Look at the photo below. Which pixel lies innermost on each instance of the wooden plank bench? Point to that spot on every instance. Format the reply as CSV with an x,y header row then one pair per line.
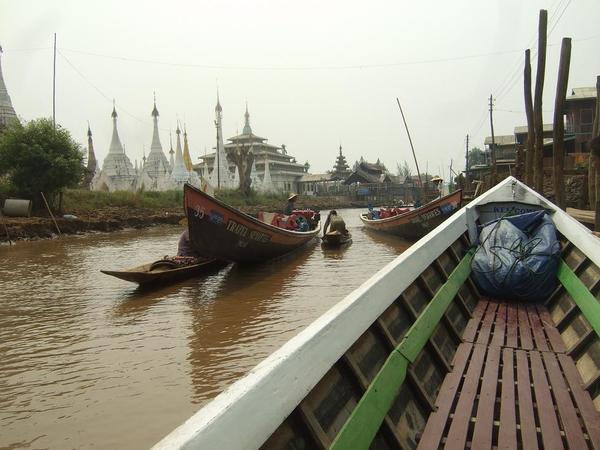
x,y
512,386
507,324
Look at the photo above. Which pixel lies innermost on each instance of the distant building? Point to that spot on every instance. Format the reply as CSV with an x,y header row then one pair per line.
x,y
274,169
7,112
341,169
506,152
580,109
365,172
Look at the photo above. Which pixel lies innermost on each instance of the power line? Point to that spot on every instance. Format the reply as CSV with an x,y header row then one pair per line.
x,y
304,68
508,84
106,97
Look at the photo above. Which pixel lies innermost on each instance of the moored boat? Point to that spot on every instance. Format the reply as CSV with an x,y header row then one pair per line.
x,y
220,231
417,357
335,239
166,271
417,222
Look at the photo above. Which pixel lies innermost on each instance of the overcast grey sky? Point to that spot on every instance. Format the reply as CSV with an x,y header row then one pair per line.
x,y
315,74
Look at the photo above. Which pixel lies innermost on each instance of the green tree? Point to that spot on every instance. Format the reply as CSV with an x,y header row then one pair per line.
x,y
36,158
476,156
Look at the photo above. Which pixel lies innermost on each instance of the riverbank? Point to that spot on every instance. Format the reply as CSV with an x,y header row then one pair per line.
x,y
114,218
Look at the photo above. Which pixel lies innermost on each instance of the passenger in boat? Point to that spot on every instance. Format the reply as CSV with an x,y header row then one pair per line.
x,y
334,223
184,247
289,207
437,181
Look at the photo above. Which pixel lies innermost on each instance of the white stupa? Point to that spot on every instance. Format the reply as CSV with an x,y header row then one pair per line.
x,y
220,177
117,172
154,174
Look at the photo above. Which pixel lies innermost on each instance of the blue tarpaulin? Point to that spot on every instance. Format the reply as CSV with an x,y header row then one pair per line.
x,y
517,257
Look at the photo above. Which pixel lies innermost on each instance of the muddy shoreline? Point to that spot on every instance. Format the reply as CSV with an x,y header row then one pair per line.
x,y
112,219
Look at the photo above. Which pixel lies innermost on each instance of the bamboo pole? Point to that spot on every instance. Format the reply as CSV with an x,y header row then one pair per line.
x,y
51,215
411,145
558,133
538,172
530,129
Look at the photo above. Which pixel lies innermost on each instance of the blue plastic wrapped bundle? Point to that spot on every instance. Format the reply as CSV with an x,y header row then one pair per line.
x,y
517,257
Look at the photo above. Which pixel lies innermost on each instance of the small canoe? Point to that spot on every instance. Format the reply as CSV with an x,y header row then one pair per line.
x,y
416,223
164,271
335,239
220,231
418,358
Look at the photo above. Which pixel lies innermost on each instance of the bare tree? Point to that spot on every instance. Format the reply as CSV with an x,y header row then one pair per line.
x,y
243,158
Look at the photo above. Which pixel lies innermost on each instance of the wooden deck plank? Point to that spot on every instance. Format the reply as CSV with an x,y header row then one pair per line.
x,y
507,434
473,324
537,328
589,414
548,421
486,323
512,326
500,326
434,429
484,424
527,418
566,410
457,434
524,328
552,333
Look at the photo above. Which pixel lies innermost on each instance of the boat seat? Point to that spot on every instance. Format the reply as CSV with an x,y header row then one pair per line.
x,y
512,386
515,325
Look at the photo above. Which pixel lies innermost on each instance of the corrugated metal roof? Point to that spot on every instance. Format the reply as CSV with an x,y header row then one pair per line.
x,y
582,92
523,129
508,139
314,177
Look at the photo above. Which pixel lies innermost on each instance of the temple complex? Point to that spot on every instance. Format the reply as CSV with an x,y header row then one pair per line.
x,y
273,168
155,173
7,112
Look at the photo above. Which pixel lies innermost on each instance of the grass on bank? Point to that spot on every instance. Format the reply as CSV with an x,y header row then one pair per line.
x,y
81,200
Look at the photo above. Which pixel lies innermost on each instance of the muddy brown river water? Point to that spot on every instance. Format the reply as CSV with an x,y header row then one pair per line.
x,y
89,361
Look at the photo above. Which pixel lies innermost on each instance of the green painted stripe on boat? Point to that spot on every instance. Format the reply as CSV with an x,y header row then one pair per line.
x,y
587,303
361,427
421,330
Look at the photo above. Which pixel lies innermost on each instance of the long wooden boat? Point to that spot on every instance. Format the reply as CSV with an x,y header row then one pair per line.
x,y
417,222
219,231
417,358
161,272
335,239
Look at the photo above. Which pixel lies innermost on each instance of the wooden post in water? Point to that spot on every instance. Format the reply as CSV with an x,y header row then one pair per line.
x,y
596,170
530,129
467,165
493,146
558,133
538,172
592,172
